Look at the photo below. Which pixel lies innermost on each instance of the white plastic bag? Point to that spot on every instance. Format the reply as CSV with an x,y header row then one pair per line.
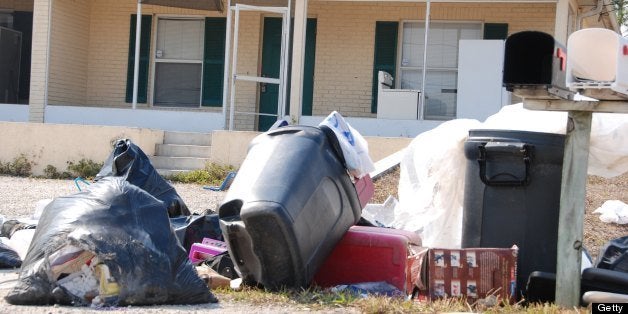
x,y
354,146
613,211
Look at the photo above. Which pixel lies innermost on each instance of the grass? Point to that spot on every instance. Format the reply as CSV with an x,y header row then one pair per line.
x,y
212,174
317,299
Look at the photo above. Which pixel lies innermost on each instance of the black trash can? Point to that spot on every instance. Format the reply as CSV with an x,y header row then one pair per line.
x,y
512,196
289,205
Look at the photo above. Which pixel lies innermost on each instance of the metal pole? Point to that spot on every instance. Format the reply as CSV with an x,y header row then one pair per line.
x,y
285,48
136,68
234,67
225,78
427,29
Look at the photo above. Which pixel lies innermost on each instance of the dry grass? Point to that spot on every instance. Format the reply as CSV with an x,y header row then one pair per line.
x,y
317,300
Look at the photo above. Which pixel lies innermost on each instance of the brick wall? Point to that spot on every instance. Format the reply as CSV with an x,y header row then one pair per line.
x,y
346,32
69,42
17,5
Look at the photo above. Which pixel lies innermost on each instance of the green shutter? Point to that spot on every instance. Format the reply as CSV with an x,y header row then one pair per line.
x,y
142,89
214,61
385,54
495,30
308,68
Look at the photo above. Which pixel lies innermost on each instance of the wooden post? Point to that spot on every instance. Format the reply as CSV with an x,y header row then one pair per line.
x,y
572,207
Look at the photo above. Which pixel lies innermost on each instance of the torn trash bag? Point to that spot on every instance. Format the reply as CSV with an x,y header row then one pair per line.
x,y
111,244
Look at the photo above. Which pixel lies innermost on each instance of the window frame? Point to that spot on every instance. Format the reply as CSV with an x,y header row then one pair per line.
x,y
401,69
155,60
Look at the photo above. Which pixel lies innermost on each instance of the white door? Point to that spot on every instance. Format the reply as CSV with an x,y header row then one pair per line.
x,y
480,68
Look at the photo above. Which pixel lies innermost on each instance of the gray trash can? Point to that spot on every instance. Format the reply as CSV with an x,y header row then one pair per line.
x,y
288,207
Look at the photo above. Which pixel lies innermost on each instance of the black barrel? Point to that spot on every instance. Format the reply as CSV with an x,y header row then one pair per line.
x,y
289,205
512,195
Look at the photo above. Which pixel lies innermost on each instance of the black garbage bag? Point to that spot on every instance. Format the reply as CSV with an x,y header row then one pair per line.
x,y
223,265
192,229
8,257
10,227
111,244
614,255
129,162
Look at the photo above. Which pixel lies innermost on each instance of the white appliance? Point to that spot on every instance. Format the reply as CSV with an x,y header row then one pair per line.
x,y
399,104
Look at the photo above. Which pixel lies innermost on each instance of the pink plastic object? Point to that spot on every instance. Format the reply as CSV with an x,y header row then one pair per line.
x,y
208,248
365,189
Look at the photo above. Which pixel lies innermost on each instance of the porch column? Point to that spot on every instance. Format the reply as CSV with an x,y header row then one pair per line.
x,y
136,66
298,59
562,21
40,58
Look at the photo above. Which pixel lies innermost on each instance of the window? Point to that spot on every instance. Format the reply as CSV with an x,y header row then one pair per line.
x,y
442,63
178,62
188,61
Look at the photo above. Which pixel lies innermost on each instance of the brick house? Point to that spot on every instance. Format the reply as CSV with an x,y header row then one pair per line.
x,y
82,60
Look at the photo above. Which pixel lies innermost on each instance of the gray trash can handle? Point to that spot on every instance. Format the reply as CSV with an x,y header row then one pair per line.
x,y
517,148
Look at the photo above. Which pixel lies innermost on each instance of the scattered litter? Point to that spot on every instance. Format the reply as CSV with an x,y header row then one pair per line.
x,y
10,227
207,249
212,278
614,255
236,284
381,215
365,289
489,301
225,183
223,265
17,236
8,257
82,180
20,241
613,211
354,146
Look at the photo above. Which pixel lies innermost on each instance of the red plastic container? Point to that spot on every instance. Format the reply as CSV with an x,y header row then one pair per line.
x,y
370,254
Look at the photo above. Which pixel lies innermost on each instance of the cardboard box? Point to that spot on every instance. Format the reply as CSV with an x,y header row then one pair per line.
x,y
473,272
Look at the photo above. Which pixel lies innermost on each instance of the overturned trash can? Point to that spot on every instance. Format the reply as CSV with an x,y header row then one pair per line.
x,y
289,205
512,195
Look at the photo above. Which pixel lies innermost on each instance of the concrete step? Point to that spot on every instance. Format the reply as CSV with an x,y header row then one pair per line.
x,y
178,163
188,138
169,172
175,150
